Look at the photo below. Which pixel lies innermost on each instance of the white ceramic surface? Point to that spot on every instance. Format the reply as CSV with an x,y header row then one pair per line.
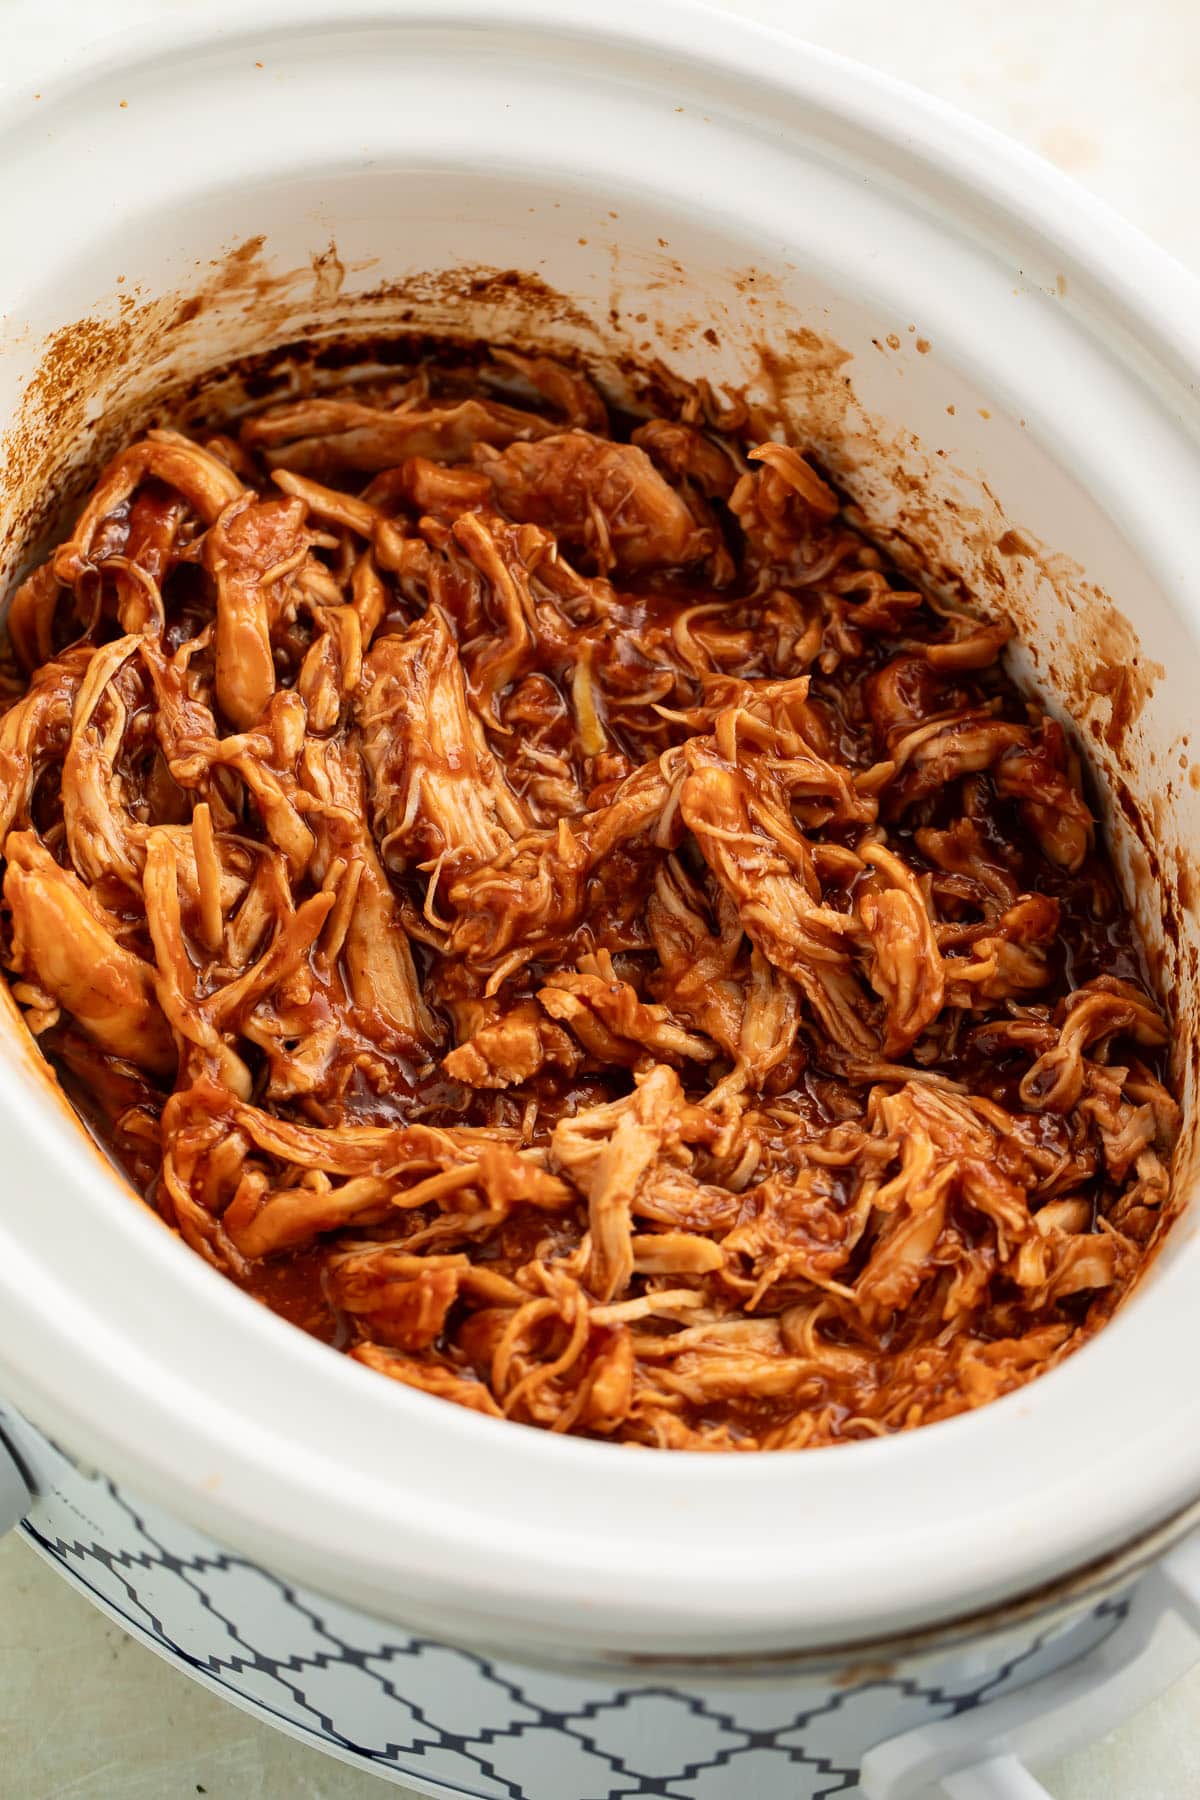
x,y
939,55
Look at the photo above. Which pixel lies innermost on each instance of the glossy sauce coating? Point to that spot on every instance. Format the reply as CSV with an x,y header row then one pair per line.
x,y
531,895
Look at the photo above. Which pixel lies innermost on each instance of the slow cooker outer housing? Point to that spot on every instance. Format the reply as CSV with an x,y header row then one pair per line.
x,y
996,370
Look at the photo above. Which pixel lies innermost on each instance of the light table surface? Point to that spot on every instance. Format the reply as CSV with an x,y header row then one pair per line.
x,y
1111,93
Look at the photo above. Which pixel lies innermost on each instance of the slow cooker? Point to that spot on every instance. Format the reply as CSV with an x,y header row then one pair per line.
x,y
1004,379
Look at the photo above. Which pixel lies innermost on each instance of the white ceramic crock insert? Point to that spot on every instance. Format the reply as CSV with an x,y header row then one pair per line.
x,y
429,138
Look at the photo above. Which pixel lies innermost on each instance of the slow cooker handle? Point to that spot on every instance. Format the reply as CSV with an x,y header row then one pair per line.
x,y
1000,1778
15,1497
984,1753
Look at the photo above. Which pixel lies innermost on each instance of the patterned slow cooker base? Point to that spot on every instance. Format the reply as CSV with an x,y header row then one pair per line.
x,y
458,1723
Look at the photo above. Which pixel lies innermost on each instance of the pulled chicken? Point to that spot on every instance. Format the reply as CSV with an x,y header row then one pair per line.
x,y
534,897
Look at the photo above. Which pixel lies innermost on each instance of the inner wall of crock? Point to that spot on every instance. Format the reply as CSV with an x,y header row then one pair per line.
x,y
963,450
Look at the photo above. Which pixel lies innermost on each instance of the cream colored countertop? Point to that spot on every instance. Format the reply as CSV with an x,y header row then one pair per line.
x,y
1109,91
